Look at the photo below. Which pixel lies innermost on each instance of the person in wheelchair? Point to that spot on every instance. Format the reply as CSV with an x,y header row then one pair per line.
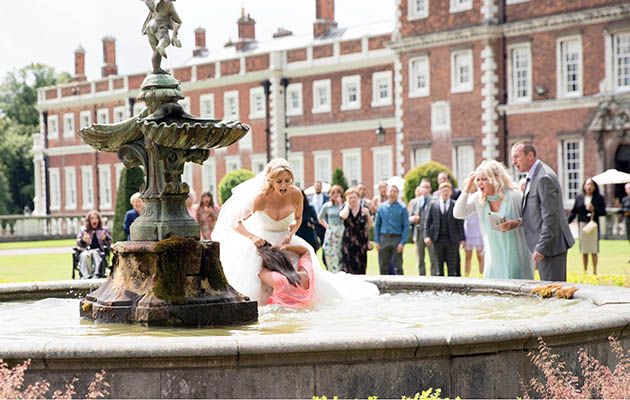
x,y
93,241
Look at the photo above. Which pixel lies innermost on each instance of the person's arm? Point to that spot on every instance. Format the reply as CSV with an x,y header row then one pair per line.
x,y
323,215
345,211
177,22
80,241
366,212
377,228
107,241
428,222
295,248
150,4
405,232
298,202
574,210
600,207
259,203
549,196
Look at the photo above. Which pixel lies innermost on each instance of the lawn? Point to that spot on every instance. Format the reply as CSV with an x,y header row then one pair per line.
x,y
39,244
613,268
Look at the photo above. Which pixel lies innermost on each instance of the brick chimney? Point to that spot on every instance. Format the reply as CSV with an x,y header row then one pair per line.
x,y
109,57
200,49
79,65
324,18
246,31
281,32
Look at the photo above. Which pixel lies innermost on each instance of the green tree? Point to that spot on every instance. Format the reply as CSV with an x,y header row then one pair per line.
x,y
428,171
5,194
130,181
19,119
339,178
231,180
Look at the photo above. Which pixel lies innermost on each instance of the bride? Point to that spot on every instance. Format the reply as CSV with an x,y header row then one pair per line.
x,y
268,208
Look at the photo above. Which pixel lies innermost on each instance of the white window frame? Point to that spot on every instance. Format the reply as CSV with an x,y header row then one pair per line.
x,y
54,184
377,175
102,116
258,160
615,61
185,103
118,167
209,178
419,156
85,119
295,88
346,83
228,97
463,162
513,80
460,5
377,79
419,66
87,187
53,126
68,125
120,113
70,187
296,160
325,107
232,160
322,166
417,9
456,57
254,94
347,155
105,185
563,171
436,107
561,75
206,111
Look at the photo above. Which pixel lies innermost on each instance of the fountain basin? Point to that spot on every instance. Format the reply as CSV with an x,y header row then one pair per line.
x,y
480,359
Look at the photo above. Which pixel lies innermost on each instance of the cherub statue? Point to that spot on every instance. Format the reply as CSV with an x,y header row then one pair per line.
x,y
161,19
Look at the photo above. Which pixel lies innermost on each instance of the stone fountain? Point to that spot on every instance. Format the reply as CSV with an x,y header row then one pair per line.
x,y
165,275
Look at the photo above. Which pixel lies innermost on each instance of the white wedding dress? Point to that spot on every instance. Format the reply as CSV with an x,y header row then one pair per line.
x,y
241,263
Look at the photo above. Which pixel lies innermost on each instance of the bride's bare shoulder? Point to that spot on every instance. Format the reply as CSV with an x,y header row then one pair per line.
x,y
260,201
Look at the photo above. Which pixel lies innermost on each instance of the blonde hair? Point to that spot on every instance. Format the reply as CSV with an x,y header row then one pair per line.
x,y
497,176
273,169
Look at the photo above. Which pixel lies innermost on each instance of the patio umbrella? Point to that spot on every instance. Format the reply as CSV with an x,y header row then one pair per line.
x,y
311,190
396,181
611,176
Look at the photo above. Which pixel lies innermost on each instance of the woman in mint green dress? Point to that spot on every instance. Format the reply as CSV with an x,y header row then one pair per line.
x,y
498,204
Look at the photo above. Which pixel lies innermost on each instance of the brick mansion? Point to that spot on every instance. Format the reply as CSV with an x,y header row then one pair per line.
x,y
455,81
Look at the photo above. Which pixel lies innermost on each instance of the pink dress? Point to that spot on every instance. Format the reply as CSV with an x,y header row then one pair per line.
x,y
285,294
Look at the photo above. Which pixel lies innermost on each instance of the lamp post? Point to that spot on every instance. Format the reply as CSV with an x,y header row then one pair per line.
x,y
284,82
380,133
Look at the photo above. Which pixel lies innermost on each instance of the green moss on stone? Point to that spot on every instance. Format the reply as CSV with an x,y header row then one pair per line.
x,y
173,254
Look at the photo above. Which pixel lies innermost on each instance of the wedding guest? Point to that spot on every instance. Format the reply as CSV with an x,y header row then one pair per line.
x,y
474,242
380,198
207,213
317,200
444,232
625,209
544,224
137,204
363,200
418,209
307,228
289,286
330,220
354,243
93,238
191,207
441,178
498,205
391,231
588,206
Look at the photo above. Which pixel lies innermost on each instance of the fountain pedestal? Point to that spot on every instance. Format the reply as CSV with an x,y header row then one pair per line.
x,y
176,281
165,275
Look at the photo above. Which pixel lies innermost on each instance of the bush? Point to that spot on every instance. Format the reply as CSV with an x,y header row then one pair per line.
x,y
338,178
231,180
429,171
130,181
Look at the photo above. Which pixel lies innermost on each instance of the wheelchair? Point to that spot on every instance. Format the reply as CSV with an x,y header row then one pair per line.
x,y
105,262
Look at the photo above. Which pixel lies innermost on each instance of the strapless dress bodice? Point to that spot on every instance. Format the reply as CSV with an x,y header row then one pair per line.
x,y
269,224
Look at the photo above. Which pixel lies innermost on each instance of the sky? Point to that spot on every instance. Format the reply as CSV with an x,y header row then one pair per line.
x,y
48,31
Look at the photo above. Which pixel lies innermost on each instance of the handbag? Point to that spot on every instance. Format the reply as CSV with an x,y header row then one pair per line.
x,y
590,227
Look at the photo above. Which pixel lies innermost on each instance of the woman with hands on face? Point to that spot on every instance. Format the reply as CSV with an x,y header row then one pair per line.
x,y
329,218
498,204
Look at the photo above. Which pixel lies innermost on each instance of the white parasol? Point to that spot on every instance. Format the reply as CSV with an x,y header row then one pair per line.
x,y
611,176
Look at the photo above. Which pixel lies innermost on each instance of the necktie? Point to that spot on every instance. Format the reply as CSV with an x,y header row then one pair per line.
x,y
525,192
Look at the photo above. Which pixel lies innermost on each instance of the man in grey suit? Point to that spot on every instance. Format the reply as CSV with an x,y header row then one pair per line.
x,y
544,222
418,210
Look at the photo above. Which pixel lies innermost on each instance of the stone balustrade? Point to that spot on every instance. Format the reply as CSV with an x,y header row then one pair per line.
x,y
30,227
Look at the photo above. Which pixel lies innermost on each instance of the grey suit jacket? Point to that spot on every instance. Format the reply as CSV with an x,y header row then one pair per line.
x,y
544,221
455,227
